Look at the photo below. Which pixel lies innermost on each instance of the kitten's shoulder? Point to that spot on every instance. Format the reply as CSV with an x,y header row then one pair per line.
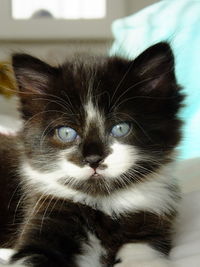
x,y
9,156
9,186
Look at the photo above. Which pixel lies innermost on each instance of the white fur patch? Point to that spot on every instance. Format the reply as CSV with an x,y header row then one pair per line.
x,y
94,115
152,195
64,169
91,253
46,182
68,169
91,111
141,255
119,161
6,254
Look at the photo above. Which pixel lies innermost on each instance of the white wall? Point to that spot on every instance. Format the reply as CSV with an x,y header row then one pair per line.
x,y
55,51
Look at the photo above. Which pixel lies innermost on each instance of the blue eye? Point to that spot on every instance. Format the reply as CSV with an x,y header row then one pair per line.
x,y
66,134
120,129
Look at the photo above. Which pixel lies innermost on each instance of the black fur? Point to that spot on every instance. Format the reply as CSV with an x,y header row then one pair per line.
x,y
142,92
65,229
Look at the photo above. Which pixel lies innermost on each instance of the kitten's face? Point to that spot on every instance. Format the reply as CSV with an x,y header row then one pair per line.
x,y
101,124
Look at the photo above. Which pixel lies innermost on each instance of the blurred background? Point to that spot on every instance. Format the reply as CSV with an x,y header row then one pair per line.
x,y
53,29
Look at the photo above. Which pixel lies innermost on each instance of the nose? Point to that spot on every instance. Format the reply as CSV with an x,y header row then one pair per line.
x,y
93,160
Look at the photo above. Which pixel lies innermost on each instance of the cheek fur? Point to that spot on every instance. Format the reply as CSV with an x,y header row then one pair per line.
x,y
62,168
121,159
72,170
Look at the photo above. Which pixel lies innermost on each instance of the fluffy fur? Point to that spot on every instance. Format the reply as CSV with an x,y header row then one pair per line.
x,y
97,200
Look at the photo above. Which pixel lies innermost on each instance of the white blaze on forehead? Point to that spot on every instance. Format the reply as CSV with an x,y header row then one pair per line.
x,y
91,111
93,114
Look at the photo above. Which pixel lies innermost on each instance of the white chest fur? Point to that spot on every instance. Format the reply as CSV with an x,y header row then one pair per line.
x,y
92,251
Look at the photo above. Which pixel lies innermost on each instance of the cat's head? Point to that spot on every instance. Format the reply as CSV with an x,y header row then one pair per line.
x,y
98,124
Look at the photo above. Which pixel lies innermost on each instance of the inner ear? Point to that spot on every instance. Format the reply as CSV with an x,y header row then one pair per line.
x,y
155,67
32,74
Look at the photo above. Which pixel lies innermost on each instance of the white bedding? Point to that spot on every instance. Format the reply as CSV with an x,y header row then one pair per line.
x,y
186,251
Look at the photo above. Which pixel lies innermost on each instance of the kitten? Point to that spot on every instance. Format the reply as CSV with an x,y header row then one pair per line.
x,y
88,179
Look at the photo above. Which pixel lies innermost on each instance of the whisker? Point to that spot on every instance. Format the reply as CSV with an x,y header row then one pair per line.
x,y
17,207
15,191
44,214
34,210
121,81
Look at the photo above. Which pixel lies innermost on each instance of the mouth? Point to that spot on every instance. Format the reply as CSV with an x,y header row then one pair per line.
x,y
96,176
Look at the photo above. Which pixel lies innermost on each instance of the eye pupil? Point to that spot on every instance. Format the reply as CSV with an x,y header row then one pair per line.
x,y
120,130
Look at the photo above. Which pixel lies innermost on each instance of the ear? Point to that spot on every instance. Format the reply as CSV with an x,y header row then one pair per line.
x,y
33,78
32,75
155,69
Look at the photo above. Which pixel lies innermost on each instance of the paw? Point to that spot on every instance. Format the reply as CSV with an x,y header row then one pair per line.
x,y
5,256
141,255
147,263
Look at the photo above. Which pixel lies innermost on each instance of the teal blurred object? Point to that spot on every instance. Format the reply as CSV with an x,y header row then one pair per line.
x,y
177,22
